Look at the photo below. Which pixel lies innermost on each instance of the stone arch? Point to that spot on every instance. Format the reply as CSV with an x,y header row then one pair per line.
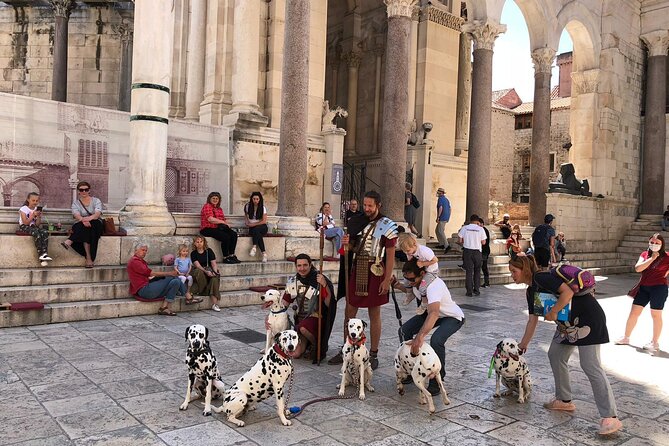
x,y
18,193
582,27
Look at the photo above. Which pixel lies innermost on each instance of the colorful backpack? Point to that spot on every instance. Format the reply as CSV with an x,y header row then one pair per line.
x,y
580,281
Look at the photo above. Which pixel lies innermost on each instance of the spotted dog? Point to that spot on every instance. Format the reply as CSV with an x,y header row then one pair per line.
x,y
422,368
277,320
512,370
356,368
203,374
268,376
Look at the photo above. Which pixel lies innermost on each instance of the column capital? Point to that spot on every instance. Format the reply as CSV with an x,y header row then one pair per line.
x,y
124,30
543,60
62,8
400,8
585,81
379,50
657,42
352,59
483,33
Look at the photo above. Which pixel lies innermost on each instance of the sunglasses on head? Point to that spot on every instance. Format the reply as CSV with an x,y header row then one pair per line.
x,y
86,189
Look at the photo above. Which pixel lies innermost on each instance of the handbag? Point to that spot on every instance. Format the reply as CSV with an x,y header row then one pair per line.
x,y
634,290
109,226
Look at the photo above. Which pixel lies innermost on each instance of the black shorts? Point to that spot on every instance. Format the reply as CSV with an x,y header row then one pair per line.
x,y
656,295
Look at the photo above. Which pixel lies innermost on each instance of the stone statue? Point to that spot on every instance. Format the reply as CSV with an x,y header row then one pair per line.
x,y
329,115
417,137
567,183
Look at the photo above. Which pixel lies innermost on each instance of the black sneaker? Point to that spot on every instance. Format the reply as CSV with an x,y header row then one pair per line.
x,y
235,259
468,294
448,248
374,361
462,267
477,293
485,285
229,261
433,388
336,359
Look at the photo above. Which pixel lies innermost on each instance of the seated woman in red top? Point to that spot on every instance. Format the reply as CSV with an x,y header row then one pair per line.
x,y
153,285
653,264
213,224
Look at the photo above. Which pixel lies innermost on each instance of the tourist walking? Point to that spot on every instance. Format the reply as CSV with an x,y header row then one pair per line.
x,y
443,216
213,224
255,216
410,207
653,264
472,238
88,228
543,237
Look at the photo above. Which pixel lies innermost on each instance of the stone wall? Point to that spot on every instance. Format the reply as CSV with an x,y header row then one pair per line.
x,y
502,155
26,53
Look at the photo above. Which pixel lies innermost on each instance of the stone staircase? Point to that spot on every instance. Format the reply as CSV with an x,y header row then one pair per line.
x,y
636,238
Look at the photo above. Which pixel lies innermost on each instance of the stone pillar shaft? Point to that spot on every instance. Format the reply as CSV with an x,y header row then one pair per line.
x,y
61,9
352,60
395,106
655,134
541,134
146,211
195,61
294,113
464,94
377,98
246,37
125,76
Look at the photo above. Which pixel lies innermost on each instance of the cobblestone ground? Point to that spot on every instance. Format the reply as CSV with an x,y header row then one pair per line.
x,y
120,382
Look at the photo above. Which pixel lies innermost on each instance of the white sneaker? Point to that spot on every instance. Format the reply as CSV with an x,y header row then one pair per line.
x,y
651,347
264,257
215,308
45,257
623,341
252,252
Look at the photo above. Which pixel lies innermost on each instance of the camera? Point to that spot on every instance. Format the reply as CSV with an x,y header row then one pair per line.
x,y
39,208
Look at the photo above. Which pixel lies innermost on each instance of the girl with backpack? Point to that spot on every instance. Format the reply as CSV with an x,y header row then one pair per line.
x,y
653,264
585,330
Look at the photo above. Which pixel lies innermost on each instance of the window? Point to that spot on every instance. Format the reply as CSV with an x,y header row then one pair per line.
x,y
524,198
552,163
523,122
525,161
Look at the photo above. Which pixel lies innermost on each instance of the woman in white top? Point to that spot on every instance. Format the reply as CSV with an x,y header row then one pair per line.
x,y
255,215
326,222
88,228
30,218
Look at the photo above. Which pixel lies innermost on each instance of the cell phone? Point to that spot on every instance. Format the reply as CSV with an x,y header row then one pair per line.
x,y
39,208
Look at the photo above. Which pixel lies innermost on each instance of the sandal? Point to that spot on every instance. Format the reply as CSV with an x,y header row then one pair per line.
x,y
193,300
65,245
166,311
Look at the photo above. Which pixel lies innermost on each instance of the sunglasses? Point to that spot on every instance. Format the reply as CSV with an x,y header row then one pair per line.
x,y
84,190
411,279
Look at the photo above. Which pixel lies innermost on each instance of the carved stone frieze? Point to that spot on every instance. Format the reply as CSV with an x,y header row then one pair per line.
x,y
585,81
124,30
657,42
352,59
543,60
442,17
62,8
400,8
483,33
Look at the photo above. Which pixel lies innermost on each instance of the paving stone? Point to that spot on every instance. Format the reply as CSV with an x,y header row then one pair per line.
x,y
87,403
657,432
213,433
135,387
76,387
473,417
23,406
31,427
421,426
147,403
59,440
356,430
585,431
22,346
85,424
130,436
523,434
112,374
467,437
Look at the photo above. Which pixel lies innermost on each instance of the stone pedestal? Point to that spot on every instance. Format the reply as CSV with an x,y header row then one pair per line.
x,y
395,105
422,154
294,110
478,161
246,38
145,212
334,148
541,133
195,64
61,13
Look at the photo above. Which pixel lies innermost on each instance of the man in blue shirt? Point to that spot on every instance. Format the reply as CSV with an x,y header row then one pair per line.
x,y
443,215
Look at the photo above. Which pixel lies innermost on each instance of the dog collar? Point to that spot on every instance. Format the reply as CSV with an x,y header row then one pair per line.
x,y
359,342
280,352
280,311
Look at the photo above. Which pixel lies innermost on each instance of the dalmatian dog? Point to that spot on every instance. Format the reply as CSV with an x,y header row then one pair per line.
x,y
512,370
356,368
268,376
203,374
277,320
422,368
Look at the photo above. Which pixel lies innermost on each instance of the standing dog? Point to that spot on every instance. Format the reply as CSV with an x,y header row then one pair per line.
x,y
277,320
512,370
203,373
268,376
422,368
356,368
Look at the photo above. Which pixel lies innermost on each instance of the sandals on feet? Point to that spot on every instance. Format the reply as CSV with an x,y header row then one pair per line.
x,y
65,245
193,300
166,312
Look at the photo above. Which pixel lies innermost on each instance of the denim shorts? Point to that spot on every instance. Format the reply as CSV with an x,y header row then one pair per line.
x,y
656,295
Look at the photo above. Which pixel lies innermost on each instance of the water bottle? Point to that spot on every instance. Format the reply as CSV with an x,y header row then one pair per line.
x,y
58,226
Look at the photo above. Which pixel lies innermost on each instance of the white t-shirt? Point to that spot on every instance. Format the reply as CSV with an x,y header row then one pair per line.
x,y
26,210
253,220
437,291
325,220
473,235
425,254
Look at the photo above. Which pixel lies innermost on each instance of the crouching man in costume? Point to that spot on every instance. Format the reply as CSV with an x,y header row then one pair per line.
x,y
372,239
302,292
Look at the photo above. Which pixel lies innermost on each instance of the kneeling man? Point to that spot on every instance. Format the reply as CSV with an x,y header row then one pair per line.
x,y
437,309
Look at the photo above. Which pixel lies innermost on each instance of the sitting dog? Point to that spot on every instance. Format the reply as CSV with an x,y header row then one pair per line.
x,y
203,373
268,376
356,368
277,320
512,370
422,368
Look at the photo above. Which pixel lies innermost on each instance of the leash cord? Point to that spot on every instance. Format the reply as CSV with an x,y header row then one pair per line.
x,y
296,410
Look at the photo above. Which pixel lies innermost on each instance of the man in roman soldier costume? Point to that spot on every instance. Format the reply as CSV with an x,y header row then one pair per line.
x,y
371,238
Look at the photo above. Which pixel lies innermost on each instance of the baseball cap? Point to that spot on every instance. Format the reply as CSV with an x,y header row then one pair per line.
x,y
548,218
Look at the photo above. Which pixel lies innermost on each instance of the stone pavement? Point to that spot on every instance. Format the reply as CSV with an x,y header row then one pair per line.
x,y
121,381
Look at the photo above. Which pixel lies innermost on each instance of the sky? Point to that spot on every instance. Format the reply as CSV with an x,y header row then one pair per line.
x,y
512,63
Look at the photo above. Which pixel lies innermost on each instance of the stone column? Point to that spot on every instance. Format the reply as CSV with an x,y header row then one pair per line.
x,y
145,211
541,134
352,60
294,113
413,57
655,133
195,60
478,160
61,12
125,30
378,53
246,38
464,94
335,60
395,106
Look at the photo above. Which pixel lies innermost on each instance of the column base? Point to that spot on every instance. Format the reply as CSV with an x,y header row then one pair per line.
x,y
297,227
147,220
245,119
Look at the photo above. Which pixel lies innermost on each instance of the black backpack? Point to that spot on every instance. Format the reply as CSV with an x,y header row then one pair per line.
x,y
414,201
540,236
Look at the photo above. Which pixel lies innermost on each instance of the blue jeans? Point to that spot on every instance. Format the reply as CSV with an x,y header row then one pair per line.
x,y
166,287
336,234
446,326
